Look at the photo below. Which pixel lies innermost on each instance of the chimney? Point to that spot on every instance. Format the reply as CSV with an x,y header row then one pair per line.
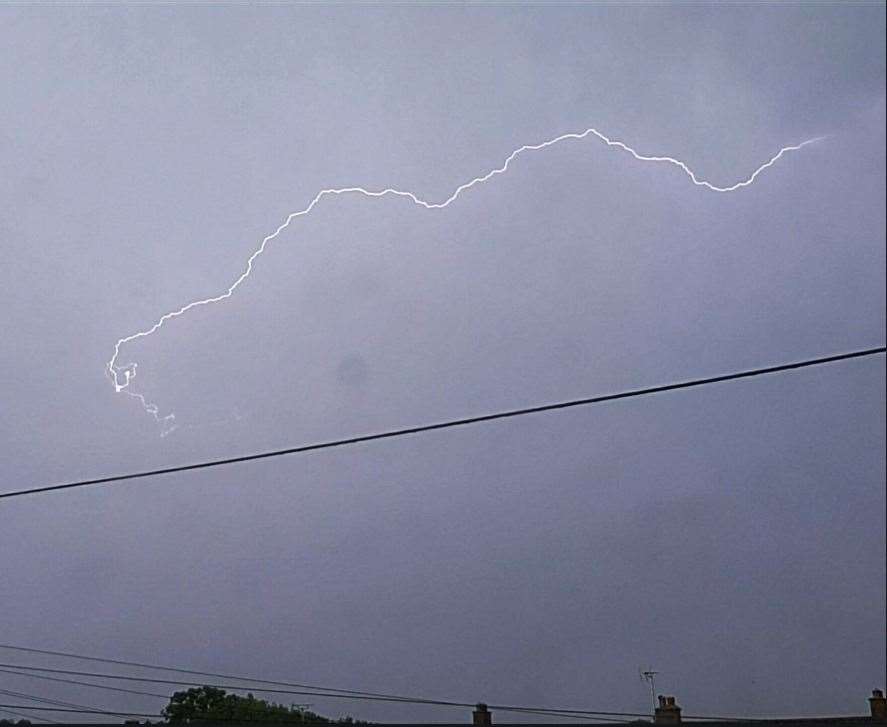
x,y
667,712
481,716
878,704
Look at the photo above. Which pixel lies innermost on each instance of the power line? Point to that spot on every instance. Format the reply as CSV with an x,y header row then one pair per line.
x,y
45,677
217,675
81,711
29,716
207,719
237,687
233,719
363,697
142,665
45,700
452,423
342,692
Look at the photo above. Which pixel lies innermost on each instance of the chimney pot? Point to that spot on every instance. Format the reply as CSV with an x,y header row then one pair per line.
x,y
878,705
481,716
668,712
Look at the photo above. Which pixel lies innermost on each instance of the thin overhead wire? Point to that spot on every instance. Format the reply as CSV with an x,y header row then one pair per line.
x,y
391,434
46,700
221,719
360,697
194,672
80,711
142,665
106,687
240,687
29,716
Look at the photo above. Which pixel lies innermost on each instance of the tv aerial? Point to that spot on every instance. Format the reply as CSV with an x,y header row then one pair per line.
x,y
649,676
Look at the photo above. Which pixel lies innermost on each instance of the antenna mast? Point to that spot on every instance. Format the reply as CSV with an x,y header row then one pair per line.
x,y
650,676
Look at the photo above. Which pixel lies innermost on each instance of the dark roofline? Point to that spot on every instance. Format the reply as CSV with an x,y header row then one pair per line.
x,y
861,721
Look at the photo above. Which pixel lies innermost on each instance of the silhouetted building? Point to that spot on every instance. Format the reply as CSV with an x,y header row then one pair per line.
x,y
667,712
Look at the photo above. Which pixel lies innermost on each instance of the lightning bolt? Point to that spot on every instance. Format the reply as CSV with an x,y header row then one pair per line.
x,y
122,375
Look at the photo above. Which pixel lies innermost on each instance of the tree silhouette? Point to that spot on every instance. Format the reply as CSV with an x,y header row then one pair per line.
x,y
211,703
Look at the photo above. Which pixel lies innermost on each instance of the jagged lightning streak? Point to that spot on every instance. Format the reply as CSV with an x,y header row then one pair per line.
x,y
123,374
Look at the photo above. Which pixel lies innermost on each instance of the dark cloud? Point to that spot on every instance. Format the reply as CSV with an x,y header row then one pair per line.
x,y
732,537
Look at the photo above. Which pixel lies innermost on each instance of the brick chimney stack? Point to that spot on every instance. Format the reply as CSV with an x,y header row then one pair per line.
x,y
481,716
667,712
878,704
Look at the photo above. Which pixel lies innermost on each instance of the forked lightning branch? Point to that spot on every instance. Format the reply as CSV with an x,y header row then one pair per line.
x,y
122,375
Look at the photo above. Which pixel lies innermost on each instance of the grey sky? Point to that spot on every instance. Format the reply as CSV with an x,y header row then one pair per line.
x,y
731,537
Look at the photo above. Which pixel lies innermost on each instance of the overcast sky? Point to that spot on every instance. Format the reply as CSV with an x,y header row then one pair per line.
x,y
731,537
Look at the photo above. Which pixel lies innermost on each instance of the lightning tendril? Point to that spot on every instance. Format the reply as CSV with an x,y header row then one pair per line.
x,y
122,375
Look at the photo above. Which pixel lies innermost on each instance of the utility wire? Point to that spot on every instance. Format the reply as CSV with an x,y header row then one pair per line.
x,y
238,687
166,696
83,684
29,716
432,702
215,719
452,423
234,719
143,665
414,700
115,689
45,700
271,721
216,675
81,711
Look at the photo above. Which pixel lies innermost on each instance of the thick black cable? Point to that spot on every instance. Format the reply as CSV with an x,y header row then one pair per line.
x,y
451,423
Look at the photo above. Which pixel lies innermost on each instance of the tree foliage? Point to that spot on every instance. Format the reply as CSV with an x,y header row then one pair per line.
x,y
210,703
